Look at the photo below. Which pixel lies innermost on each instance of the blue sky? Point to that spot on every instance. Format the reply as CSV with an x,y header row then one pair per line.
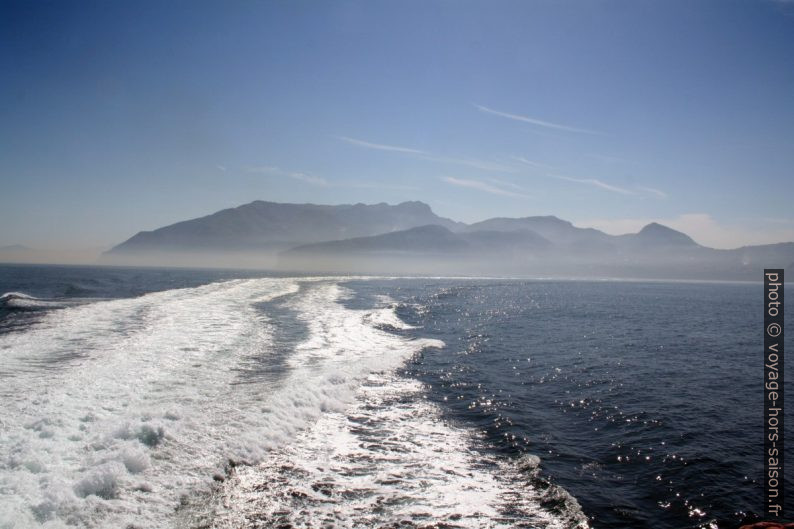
x,y
117,117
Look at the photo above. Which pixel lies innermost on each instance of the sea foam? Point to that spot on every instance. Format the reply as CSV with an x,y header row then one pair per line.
x,y
129,413
112,410
115,412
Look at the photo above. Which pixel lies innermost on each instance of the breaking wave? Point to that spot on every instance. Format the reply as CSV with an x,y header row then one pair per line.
x,y
19,301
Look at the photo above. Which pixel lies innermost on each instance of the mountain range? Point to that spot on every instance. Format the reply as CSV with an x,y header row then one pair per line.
x,y
409,238
270,225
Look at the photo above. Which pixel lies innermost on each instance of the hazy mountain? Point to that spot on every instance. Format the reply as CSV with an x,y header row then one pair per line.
x,y
270,225
430,240
550,227
410,238
427,249
656,251
507,241
656,236
779,255
535,234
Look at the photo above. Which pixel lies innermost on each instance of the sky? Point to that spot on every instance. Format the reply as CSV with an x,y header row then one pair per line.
x,y
117,117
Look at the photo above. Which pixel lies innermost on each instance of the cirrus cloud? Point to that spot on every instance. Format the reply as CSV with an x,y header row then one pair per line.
x,y
482,186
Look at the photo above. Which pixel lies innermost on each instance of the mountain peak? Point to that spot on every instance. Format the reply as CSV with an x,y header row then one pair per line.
x,y
415,206
547,218
658,233
655,226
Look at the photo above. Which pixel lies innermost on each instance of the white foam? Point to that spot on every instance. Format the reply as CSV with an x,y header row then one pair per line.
x,y
386,317
381,453
328,367
103,402
15,295
387,458
22,301
116,413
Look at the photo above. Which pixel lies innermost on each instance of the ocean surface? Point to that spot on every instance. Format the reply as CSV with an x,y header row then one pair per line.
x,y
160,398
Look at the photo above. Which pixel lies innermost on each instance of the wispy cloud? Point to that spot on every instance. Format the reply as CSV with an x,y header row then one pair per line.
x,y
309,179
482,186
535,121
379,185
596,183
424,155
504,183
380,146
477,164
221,168
296,175
322,182
608,158
531,163
653,191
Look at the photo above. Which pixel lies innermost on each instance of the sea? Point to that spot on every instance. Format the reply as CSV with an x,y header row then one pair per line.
x,y
180,398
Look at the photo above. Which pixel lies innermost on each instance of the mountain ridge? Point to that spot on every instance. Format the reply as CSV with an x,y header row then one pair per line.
x,y
262,225
410,236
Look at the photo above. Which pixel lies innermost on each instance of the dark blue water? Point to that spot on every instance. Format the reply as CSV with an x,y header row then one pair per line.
x,y
643,400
